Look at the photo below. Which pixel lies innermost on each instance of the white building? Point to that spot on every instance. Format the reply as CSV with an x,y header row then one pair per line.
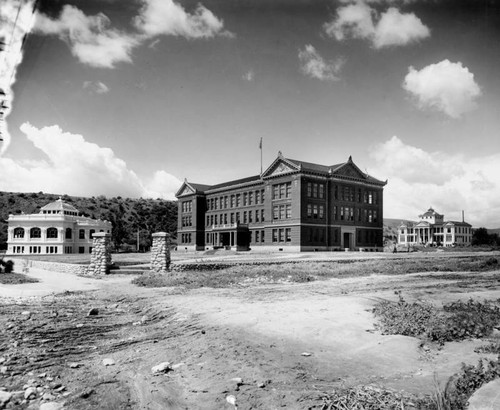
x,y
432,229
57,228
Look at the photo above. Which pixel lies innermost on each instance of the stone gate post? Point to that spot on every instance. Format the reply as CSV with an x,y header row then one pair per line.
x,y
100,260
160,252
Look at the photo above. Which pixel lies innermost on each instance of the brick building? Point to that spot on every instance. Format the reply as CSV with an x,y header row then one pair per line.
x,y
292,206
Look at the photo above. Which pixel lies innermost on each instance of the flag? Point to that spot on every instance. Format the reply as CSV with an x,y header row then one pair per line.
x,y
260,143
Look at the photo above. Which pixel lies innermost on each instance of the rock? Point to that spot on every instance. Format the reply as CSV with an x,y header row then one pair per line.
x,y
161,368
60,389
5,396
79,325
48,397
29,393
144,319
108,362
51,406
237,380
93,312
26,313
87,393
3,369
306,354
231,400
75,365
42,375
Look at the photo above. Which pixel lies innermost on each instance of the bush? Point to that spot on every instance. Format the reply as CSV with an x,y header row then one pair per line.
x,y
459,320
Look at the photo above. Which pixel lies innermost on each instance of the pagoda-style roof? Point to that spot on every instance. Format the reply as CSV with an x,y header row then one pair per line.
x,y
59,205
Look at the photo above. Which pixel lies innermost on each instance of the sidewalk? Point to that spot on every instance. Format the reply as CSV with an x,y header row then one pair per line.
x,y
50,283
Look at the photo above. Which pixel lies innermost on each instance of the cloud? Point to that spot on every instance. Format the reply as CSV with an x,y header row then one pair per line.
x,y
94,42
249,75
158,17
75,166
90,38
95,87
449,183
445,86
314,66
391,28
16,20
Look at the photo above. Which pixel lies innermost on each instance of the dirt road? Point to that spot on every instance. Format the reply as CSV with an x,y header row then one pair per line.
x,y
265,346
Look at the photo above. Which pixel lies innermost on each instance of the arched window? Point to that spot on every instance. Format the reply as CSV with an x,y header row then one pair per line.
x,y
19,233
51,233
35,233
81,234
91,232
69,233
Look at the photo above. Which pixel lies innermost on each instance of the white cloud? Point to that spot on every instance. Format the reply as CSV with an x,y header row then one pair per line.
x,y
249,75
397,29
90,38
95,87
74,166
449,183
314,66
94,42
444,86
167,17
391,28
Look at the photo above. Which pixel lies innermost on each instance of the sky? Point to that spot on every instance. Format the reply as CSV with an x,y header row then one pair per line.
x,y
130,97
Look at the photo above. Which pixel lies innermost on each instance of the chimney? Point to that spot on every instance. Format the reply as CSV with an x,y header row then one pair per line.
x,y
463,218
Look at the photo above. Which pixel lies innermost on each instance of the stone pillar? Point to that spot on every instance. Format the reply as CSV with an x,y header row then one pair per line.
x,y
160,252
100,260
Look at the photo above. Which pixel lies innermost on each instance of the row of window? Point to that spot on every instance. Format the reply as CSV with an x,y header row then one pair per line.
x,y
187,221
186,238
282,235
246,217
282,191
187,206
349,213
236,200
343,193
439,229
282,211
51,233
48,249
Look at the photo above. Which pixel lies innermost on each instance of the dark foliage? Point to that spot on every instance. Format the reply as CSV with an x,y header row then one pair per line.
x,y
127,215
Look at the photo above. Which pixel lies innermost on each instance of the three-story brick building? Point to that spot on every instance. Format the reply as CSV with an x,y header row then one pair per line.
x,y
293,206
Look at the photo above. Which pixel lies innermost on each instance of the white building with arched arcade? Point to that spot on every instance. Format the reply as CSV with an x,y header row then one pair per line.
x,y
58,228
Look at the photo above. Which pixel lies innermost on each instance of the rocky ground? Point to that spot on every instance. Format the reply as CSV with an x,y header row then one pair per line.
x,y
116,346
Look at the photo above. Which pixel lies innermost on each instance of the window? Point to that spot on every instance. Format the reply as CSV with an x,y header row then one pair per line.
x,y
250,198
275,235
19,233
238,200
262,196
226,202
315,211
315,191
245,199
257,197
288,234
257,215
282,190
282,212
262,233
81,249
91,232
289,190
257,236
321,211
309,190
288,211
232,201
244,217
69,233
275,191
250,219
262,215
35,233
282,235
275,212
321,192
232,218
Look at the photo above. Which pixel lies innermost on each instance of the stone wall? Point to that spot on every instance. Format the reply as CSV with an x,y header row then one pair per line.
x,y
100,260
23,265
160,252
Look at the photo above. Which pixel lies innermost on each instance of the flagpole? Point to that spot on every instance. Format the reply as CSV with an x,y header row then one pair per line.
x,y
260,146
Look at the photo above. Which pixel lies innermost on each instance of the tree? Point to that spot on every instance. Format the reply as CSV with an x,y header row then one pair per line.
x,y
482,237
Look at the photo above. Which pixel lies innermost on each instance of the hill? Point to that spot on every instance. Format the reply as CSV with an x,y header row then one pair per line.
x,y
391,227
128,216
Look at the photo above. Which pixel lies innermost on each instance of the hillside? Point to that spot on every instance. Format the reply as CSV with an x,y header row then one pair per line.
x,y
391,227
127,215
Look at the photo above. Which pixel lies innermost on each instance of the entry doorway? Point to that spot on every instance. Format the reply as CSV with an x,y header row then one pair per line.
x,y
347,243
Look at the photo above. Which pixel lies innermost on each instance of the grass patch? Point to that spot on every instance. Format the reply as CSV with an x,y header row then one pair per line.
x,y
218,276
16,279
456,321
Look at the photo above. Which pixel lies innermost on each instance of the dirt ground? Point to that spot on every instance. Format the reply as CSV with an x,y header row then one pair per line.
x,y
249,347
